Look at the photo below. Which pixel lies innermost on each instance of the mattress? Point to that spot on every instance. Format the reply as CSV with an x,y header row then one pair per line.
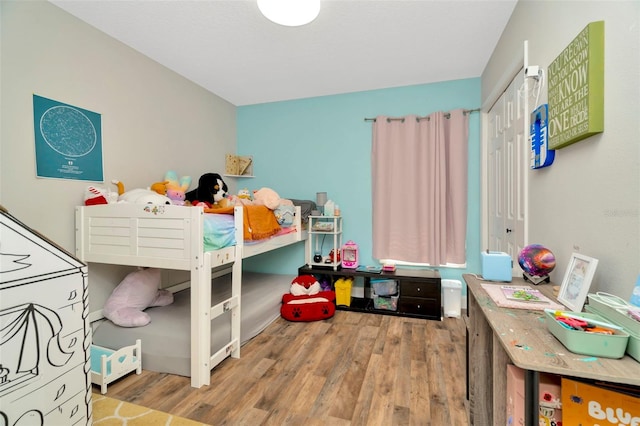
x,y
166,340
219,229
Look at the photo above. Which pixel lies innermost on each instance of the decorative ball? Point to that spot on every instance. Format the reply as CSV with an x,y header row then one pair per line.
x,y
536,260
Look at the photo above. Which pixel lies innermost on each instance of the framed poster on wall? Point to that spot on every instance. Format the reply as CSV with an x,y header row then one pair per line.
x,y
68,141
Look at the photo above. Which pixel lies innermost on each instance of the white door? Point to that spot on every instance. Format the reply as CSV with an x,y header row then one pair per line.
x,y
507,171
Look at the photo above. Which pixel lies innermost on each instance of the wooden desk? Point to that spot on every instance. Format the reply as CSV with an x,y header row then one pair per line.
x,y
499,336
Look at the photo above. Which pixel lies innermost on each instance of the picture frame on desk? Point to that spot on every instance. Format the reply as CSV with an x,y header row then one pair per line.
x,y
577,280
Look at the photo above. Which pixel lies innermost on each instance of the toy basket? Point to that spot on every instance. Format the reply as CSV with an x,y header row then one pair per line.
x,y
385,303
382,287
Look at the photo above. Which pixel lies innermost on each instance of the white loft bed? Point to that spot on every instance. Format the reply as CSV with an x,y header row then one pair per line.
x,y
171,237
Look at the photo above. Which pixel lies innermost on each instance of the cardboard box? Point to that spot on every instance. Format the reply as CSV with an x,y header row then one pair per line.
x,y
584,404
549,398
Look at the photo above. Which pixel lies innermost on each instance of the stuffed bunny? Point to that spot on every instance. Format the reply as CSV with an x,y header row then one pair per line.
x,y
176,188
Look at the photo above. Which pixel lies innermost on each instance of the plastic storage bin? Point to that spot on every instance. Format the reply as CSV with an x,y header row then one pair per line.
x,y
343,291
593,344
452,297
382,287
386,303
598,305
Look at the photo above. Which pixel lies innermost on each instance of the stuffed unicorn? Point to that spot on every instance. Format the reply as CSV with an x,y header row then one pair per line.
x,y
138,291
176,188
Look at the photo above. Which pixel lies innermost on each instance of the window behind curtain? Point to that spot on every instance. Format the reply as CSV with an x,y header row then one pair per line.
x,y
419,168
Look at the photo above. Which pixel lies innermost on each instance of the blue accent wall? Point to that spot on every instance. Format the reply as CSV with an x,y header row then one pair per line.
x,y
304,146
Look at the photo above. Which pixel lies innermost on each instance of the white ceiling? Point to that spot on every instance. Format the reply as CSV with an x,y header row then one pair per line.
x,y
230,49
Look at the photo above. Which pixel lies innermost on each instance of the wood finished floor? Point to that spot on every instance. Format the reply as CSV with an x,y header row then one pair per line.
x,y
354,369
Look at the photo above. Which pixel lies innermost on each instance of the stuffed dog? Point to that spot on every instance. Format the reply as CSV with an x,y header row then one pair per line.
x,y
211,189
307,301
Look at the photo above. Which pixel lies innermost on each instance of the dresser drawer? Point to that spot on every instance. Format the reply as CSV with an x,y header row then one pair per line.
x,y
419,306
419,289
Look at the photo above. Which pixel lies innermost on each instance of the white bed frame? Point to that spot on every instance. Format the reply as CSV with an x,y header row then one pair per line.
x,y
171,237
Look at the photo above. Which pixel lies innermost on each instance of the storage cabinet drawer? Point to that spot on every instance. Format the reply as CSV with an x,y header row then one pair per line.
x,y
419,306
419,289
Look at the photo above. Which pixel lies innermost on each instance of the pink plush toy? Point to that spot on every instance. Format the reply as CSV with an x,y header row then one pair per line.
x,y
266,197
138,291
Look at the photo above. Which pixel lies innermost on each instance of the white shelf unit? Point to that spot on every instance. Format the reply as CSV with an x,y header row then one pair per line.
x,y
321,229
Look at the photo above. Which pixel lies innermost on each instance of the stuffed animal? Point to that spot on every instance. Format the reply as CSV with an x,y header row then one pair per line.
x,y
306,301
176,188
244,194
96,195
242,199
139,195
138,291
211,189
266,197
159,187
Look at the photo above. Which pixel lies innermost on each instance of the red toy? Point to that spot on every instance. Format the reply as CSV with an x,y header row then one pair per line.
x,y
307,302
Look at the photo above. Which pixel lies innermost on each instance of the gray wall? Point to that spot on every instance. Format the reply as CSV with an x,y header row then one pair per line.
x,y
152,119
588,201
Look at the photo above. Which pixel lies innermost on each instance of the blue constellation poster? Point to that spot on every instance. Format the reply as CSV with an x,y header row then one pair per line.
x,y
68,141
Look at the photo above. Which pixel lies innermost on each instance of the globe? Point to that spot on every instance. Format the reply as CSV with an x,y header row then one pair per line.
x,y
536,260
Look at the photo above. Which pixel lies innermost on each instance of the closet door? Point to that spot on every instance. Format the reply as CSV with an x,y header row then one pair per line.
x,y
507,171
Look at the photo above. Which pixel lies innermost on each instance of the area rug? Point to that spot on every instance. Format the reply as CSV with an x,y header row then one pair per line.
x,y
111,412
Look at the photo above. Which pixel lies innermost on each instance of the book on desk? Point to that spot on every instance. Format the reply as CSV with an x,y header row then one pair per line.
x,y
518,299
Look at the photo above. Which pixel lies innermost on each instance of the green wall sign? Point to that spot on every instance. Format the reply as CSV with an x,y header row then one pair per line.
x,y
576,89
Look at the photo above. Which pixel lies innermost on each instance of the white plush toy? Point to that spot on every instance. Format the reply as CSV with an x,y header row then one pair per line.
x,y
139,195
138,291
143,196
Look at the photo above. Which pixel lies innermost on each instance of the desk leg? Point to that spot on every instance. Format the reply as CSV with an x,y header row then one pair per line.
x,y
531,396
499,380
480,371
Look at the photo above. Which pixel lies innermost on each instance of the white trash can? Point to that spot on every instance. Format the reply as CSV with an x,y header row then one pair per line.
x,y
452,298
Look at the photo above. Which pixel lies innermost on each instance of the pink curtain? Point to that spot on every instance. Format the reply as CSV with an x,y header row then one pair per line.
x,y
419,179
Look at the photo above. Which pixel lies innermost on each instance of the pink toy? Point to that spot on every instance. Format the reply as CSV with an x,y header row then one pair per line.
x,y
266,197
138,291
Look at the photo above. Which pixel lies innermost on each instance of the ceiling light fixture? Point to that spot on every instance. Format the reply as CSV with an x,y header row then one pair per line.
x,y
290,13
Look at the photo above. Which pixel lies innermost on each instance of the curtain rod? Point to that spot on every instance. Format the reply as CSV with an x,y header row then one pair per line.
x,y
447,115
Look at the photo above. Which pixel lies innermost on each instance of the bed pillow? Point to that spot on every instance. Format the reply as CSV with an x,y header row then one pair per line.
x,y
284,215
306,207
